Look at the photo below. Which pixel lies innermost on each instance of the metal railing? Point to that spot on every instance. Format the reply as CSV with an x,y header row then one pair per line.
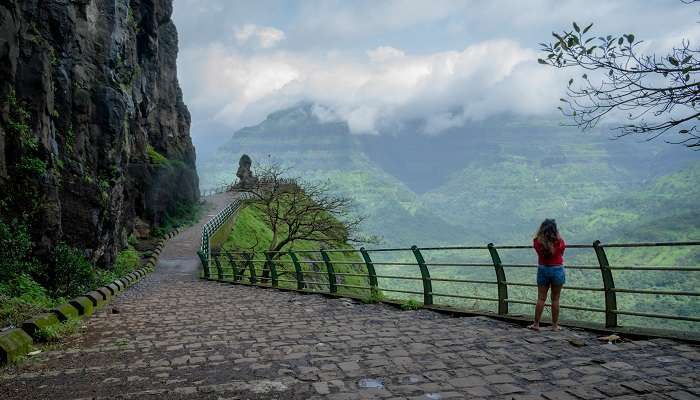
x,y
216,190
214,224
272,268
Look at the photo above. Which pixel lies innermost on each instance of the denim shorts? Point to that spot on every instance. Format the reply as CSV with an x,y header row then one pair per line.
x,y
551,275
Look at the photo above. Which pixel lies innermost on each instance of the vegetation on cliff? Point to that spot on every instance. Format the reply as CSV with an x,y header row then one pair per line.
x,y
94,138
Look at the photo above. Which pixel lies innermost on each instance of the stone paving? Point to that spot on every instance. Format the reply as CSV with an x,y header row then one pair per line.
x,y
178,337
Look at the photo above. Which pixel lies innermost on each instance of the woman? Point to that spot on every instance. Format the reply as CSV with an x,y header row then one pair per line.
x,y
550,247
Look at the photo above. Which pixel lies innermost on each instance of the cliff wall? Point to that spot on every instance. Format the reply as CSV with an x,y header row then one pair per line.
x,y
94,134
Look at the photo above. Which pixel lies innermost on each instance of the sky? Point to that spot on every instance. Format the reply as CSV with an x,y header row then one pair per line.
x,y
377,62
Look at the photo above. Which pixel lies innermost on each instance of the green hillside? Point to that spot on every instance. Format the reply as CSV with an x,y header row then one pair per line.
x,y
252,235
326,151
498,189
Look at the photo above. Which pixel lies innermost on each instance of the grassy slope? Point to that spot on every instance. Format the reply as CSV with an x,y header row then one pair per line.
x,y
250,225
318,151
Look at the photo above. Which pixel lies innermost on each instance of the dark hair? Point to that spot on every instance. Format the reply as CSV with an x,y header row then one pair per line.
x,y
548,236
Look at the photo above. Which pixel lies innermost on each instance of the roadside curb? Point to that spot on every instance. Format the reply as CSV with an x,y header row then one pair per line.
x,y
17,342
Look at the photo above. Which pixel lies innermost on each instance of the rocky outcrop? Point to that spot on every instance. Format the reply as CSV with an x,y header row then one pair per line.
x,y
246,179
93,129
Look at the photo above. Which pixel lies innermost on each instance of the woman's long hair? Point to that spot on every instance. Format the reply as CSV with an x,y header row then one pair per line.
x,y
548,236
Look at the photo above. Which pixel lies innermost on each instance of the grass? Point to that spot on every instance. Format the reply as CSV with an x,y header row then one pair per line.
x,y
374,298
55,333
411,305
251,232
21,299
127,261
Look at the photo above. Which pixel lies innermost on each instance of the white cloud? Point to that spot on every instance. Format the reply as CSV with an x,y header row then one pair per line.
x,y
385,53
444,88
262,36
374,63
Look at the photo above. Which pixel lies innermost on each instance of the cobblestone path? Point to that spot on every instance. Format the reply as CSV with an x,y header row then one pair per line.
x,y
178,337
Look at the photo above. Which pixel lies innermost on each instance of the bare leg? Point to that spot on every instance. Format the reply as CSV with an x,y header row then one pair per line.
x,y
556,292
539,307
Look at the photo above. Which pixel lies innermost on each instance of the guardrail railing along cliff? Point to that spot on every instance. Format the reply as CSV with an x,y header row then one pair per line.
x,y
265,269
214,224
268,269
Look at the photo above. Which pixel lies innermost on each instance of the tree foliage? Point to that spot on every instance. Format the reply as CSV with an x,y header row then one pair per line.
x,y
295,210
655,94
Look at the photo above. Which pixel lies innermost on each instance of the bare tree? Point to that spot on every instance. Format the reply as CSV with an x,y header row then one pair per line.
x,y
295,210
655,93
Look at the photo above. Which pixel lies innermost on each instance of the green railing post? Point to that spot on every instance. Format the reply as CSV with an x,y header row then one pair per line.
x,y
205,264
273,269
500,279
425,274
251,267
219,270
234,267
331,272
608,285
297,271
371,273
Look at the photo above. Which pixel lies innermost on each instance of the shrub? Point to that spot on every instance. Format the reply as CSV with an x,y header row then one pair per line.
x,y
15,248
21,299
69,273
127,261
13,310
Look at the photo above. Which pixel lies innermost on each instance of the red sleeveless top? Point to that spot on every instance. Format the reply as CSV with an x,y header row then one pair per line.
x,y
557,257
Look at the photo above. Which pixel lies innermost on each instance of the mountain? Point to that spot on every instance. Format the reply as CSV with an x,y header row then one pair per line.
x,y
325,150
662,210
488,181
93,130
517,175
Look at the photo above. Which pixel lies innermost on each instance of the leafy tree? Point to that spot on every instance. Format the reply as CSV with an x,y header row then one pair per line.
x,y
295,210
655,94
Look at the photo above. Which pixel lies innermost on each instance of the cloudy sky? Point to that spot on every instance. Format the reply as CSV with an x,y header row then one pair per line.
x,y
373,62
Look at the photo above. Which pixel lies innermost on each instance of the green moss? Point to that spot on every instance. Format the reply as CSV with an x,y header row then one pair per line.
x,y
53,58
131,19
155,157
104,185
33,165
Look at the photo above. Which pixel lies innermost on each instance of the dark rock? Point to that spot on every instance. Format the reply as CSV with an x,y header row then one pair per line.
x,y
96,85
246,179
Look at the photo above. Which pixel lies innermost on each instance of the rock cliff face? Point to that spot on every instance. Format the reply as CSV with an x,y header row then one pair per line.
x,y
93,130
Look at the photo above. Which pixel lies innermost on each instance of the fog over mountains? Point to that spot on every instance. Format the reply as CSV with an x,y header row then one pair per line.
x,y
492,180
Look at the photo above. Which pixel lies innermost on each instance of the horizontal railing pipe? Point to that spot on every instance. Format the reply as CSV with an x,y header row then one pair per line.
x,y
362,276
